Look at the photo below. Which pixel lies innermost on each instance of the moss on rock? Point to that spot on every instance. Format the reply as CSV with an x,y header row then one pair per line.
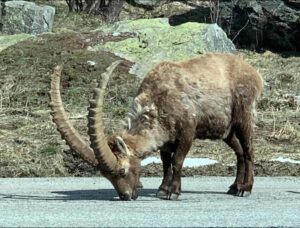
x,y
9,40
157,41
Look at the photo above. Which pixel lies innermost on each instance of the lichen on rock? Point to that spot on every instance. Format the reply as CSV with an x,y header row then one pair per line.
x,y
9,40
156,40
26,17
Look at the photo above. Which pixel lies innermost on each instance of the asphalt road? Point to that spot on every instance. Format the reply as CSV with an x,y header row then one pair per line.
x,y
90,202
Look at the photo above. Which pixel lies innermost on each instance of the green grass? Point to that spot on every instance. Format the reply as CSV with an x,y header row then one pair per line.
x,y
49,150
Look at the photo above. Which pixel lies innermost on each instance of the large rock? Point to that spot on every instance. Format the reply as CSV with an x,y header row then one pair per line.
x,y
155,41
146,2
271,24
9,40
26,17
294,3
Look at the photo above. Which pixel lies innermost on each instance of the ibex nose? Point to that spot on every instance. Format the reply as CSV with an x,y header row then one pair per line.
x,y
125,197
134,195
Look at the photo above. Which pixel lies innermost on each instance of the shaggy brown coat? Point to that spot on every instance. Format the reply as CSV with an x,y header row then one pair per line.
x,y
208,97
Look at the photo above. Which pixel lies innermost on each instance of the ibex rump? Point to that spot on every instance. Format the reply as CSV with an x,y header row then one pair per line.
x,y
208,97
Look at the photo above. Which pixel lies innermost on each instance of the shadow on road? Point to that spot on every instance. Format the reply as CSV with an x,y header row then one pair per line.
x,y
100,194
95,194
293,192
204,192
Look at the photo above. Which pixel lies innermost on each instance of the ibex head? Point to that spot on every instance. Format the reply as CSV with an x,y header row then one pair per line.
x,y
125,177
115,158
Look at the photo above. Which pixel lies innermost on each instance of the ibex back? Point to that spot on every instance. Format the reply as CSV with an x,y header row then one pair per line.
x,y
208,97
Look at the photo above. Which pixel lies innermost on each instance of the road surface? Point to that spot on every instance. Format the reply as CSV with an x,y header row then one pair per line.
x,y
90,202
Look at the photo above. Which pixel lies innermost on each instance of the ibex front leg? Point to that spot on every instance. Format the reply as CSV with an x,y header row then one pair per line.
x,y
184,145
166,157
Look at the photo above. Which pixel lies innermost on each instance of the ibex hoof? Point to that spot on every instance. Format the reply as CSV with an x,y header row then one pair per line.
x,y
140,186
241,193
173,196
162,194
232,191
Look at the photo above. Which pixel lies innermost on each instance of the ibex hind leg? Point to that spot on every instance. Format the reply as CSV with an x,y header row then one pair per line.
x,y
233,142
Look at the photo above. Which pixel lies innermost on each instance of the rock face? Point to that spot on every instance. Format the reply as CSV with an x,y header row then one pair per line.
x,y
26,17
295,3
271,24
155,41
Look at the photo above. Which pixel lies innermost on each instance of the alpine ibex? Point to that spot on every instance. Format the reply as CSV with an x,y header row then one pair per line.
x,y
208,97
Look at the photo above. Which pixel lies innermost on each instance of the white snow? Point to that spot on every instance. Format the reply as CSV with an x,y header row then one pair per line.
x,y
188,162
281,159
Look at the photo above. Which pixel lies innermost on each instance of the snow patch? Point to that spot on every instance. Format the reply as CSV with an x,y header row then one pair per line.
x,y
281,159
188,162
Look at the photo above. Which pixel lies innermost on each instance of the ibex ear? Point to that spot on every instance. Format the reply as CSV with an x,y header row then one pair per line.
x,y
122,146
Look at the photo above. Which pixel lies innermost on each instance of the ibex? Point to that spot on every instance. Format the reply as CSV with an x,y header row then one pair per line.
x,y
208,97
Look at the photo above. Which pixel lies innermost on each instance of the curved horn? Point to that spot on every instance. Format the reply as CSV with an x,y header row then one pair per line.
x,y
64,126
107,160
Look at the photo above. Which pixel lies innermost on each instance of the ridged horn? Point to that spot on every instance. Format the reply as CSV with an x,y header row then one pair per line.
x,y
64,126
107,160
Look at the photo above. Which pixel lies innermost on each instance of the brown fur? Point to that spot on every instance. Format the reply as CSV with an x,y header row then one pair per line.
x,y
207,97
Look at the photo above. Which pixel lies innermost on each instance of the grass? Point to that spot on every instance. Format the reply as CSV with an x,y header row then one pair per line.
x,y
30,144
49,150
65,20
287,132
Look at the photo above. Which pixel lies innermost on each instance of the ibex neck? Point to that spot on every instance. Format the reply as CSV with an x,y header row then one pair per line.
x,y
149,141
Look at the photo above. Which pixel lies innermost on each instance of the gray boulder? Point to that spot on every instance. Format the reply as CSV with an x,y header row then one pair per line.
x,y
271,24
26,17
146,2
155,41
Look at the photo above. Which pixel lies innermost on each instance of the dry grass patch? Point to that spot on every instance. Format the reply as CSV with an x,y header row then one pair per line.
x,y
31,146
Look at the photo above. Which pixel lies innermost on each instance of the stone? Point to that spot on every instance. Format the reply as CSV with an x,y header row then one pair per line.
x,y
146,2
297,98
156,40
263,24
255,24
26,17
294,3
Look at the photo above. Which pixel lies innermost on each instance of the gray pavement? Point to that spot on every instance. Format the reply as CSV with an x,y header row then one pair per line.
x,y
90,202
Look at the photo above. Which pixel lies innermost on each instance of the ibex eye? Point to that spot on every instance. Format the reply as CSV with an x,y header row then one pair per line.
x,y
122,172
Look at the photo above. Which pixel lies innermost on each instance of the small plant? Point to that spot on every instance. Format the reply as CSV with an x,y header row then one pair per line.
x,y
287,132
214,6
49,150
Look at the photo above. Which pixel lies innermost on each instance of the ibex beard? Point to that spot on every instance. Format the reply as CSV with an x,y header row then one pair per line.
x,y
208,97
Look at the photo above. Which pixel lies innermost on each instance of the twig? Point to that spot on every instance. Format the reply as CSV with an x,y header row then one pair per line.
x,y
1,98
238,33
81,117
218,11
214,7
